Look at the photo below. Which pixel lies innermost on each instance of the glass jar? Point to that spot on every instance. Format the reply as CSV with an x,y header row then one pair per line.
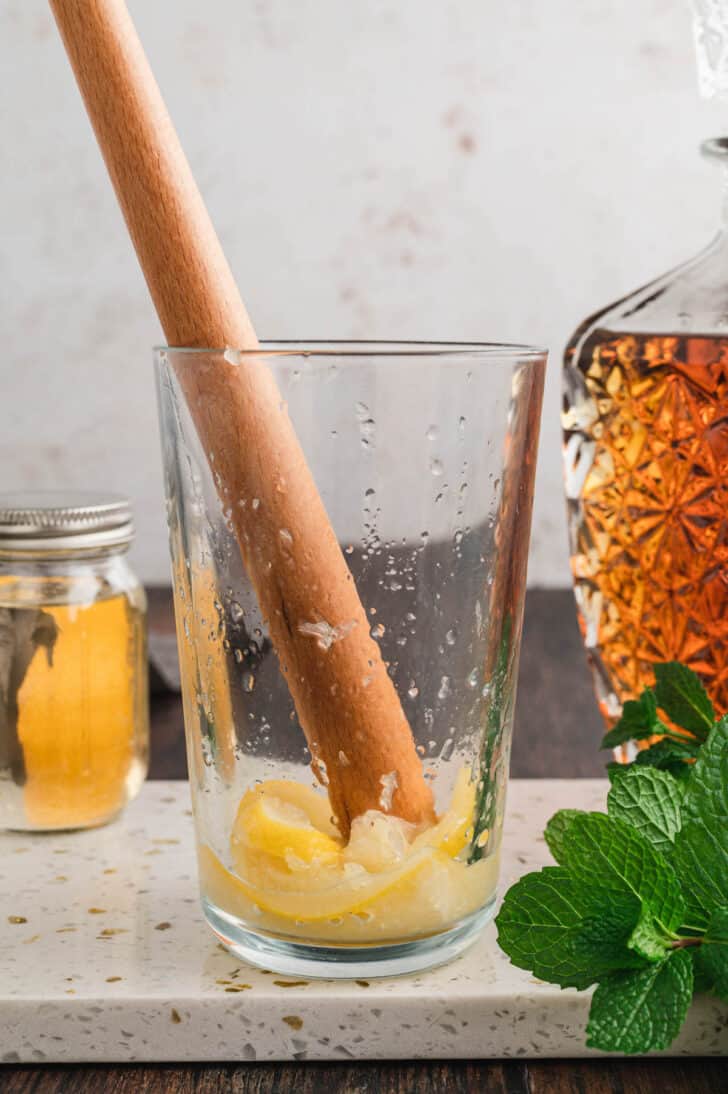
x,y
646,463
424,458
74,721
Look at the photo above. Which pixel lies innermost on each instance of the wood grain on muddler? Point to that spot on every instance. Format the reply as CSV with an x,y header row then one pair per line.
x,y
345,700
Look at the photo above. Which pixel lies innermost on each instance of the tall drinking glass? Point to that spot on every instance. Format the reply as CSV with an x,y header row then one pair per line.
x,y
424,456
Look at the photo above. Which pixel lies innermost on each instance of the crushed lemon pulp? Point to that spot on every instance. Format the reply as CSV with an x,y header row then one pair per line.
x,y
293,874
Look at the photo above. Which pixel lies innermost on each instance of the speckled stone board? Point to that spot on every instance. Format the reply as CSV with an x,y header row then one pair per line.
x,y
104,956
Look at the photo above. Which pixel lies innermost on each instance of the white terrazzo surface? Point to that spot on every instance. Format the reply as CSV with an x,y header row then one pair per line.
x,y
104,956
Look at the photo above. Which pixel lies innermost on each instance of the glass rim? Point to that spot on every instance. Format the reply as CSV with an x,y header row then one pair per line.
x,y
376,348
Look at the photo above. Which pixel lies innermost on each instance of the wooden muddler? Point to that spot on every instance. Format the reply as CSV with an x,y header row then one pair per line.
x,y
361,744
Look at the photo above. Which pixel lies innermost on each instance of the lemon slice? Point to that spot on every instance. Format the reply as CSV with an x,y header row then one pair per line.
x,y
433,892
288,822
351,895
450,833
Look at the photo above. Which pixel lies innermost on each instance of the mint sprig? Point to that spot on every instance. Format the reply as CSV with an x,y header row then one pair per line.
x,y
639,901
689,716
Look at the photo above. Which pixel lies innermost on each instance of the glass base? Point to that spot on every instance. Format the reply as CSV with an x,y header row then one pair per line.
x,y
344,962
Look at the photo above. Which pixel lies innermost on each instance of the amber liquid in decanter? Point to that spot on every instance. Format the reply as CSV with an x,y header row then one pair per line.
x,y
646,446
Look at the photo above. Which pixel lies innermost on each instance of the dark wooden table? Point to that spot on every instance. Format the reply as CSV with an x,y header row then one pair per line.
x,y
557,733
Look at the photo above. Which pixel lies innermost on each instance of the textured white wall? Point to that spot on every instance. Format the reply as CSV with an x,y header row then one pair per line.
x,y
457,169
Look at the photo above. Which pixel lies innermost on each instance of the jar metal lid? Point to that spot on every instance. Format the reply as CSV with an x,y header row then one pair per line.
x,y
36,521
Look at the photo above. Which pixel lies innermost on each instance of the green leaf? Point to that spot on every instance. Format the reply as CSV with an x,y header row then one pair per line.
x,y
635,1012
647,940
711,958
670,756
650,801
639,719
556,829
681,695
703,981
607,852
561,932
717,931
700,855
615,770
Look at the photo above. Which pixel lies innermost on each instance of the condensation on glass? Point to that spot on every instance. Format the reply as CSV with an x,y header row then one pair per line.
x,y
424,456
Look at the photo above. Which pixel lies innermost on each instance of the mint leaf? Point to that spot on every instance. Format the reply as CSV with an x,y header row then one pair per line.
x,y
711,958
552,926
703,980
681,695
639,719
700,855
556,829
647,940
669,755
607,852
650,801
641,1010
717,931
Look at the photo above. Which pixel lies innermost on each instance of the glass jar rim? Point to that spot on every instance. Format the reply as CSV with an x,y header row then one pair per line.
x,y
373,348
62,521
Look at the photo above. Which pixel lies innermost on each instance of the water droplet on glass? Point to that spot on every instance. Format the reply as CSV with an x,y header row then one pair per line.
x,y
461,424
413,691
256,503
473,678
236,612
436,467
450,638
238,655
286,537
248,682
444,688
369,493
377,630
447,749
432,433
